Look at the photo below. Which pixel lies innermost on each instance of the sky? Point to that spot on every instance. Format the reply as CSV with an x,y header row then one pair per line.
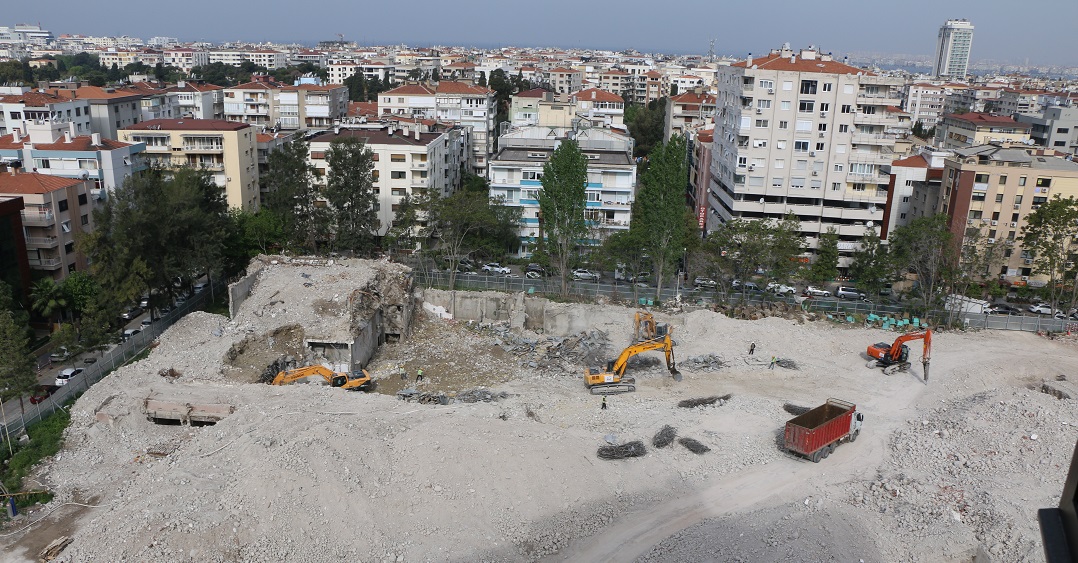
x,y
1040,32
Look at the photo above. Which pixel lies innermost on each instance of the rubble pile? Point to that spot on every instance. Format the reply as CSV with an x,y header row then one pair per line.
x,y
704,362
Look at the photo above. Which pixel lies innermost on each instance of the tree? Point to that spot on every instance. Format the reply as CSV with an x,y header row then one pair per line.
x,y
80,289
357,87
16,363
1049,238
48,299
461,218
562,204
621,252
923,248
740,247
660,208
646,125
262,232
783,243
292,194
482,78
825,267
871,265
350,193
404,229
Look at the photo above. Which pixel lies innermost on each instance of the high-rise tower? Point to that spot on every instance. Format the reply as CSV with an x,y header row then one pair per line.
x,y
952,49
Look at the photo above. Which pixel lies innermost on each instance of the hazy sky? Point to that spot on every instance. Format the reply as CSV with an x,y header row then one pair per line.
x,y
1040,32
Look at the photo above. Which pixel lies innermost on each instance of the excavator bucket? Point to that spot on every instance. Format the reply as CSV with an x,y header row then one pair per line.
x,y
677,374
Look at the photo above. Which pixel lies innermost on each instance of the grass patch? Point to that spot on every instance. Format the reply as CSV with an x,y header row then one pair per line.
x,y
46,439
219,305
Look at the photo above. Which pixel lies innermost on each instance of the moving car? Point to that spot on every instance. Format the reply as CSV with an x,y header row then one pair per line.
x,y
1041,309
705,282
66,375
534,271
146,322
61,354
813,291
495,268
745,286
131,313
781,288
1003,309
42,392
582,274
849,292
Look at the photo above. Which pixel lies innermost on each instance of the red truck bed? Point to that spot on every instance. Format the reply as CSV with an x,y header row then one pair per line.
x,y
823,425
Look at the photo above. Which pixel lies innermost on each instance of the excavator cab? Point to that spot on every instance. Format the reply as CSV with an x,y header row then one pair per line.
x,y
339,380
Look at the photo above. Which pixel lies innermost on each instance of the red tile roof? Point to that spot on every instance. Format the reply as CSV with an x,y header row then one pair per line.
x,y
314,87
595,94
775,61
705,135
452,87
563,70
694,98
916,161
32,183
96,93
188,125
359,109
268,85
193,87
533,93
33,99
615,72
410,89
987,119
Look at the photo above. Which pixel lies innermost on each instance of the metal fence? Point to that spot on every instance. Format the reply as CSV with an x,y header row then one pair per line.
x,y
17,414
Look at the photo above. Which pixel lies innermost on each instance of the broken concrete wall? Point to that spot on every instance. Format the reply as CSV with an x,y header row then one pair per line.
x,y
239,291
369,335
482,306
533,313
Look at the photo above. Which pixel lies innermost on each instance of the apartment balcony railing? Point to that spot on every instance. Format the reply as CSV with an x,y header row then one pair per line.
x,y
218,166
42,242
38,219
873,139
203,148
874,119
45,263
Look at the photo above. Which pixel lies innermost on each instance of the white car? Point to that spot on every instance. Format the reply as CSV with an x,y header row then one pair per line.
x,y
705,282
781,288
813,291
65,376
1041,309
582,274
495,268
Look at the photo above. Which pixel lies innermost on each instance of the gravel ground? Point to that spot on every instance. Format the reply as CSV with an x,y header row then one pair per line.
x,y
312,473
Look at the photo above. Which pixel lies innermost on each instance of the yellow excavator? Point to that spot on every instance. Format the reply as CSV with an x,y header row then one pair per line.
x,y
356,381
612,380
644,327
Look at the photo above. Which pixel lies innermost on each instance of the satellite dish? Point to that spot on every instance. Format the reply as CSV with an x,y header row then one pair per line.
x,y
870,224
761,201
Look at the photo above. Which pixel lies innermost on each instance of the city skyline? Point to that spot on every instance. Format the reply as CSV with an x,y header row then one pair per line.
x,y
829,24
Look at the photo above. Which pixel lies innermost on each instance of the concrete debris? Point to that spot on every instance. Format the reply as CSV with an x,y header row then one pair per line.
x,y
704,363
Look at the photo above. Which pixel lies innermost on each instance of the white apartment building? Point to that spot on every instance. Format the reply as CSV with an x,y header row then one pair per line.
x,y
924,102
952,49
52,147
406,162
199,100
269,104
185,59
797,132
973,99
339,71
599,108
688,112
460,103
516,174
563,80
38,106
263,57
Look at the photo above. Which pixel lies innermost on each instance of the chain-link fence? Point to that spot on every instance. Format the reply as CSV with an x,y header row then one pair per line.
x,y
17,414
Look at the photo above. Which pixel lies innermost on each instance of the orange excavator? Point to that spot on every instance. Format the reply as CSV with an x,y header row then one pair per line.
x,y
612,380
894,358
357,381
644,327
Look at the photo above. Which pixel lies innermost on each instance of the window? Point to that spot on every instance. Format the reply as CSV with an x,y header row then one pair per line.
x,y
808,86
902,216
806,106
977,196
858,187
761,123
906,199
767,84
784,124
847,108
804,125
82,199
1021,182
836,186
16,115
69,247
797,183
397,175
825,107
819,146
843,128
785,105
801,146
41,163
840,149
980,178
65,226
62,205
827,86
1018,199
400,192
759,143
532,175
780,163
999,198
742,161
800,165
776,182
995,216
1063,130
847,88
1003,179
787,85
1044,182
763,104
780,144
400,100
397,158
821,127
593,196
1059,144
839,167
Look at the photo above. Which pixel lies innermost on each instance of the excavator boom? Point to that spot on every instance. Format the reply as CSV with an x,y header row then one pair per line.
x,y
358,381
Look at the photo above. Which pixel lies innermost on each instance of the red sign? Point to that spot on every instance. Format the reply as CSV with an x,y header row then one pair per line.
x,y
701,216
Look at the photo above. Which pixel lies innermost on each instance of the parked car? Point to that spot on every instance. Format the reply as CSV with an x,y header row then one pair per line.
x,y
164,311
512,276
705,282
1003,309
495,268
1041,309
42,392
131,313
66,375
61,354
536,268
583,274
640,277
813,291
533,275
745,286
128,333
144,302
200,286
781,288
146,322
849,292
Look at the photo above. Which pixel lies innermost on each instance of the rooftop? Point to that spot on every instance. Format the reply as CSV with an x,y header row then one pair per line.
x,y
379,137
188,125
31,183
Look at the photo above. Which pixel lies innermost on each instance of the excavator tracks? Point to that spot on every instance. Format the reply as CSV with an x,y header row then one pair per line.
x,y
613,389
895,368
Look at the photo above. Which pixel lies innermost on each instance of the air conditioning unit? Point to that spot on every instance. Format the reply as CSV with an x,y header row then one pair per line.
x,y
823,114
759,111
812,153
1014,224
752,167
815,173
822,134
991,241
1009,241
1025,278
770,90
969,221
994,223
1018,206
1034,207
1027,261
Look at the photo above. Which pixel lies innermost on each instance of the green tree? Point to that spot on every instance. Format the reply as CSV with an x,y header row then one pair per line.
x,y
80,290
646,125
924,248
292,194
482,78
660,208
460,220
48,299
503,95
405,229
357,87
621,252
825,266
783,245
16,363
1049,238
350,193
871,265
561,206
263,231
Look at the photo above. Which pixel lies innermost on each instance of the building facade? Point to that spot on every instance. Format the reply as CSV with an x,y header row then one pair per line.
x,y
800,133
688,112
56,210
1055,128
225,149
953,46
965,130
52,148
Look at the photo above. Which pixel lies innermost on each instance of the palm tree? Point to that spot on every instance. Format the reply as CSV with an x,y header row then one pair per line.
x,y
47,298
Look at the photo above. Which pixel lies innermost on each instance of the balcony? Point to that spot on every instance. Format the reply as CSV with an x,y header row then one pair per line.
x,y
879,99
42,242
38,219
873,139
419,165
874,119
213,166
45,263
203,148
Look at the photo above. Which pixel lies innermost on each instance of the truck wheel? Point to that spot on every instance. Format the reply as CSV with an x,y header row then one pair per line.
x,y
853,435
826,451
816,456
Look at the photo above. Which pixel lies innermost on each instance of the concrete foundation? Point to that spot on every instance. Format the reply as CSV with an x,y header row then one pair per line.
x,y
519,310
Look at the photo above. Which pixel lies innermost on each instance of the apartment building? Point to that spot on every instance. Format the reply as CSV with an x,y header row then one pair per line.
x,y
524,107
53,147
225,149
563,80
964,130
33,105
685,83
118,58
952,49
516,173
974,99
14,265
924,102
688,112
266,143
993,188
185,59
155,103
269,59
798,132
459,103
312,106
599,108
619,82
1055,128
700,143
407,161
55,211
111,109
255,103
198,100
922,171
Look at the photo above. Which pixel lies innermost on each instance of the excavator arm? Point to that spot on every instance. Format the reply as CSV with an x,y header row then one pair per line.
x,y
665,344
333,378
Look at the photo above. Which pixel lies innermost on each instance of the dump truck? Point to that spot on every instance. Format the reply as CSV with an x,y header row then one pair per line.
x,y
819,431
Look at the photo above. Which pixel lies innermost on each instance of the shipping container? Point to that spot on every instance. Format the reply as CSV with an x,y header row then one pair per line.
x,y
816,433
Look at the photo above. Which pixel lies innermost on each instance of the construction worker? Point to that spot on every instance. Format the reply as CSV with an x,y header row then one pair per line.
x,y
603,407
773,360
752,348
402,372
419,375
